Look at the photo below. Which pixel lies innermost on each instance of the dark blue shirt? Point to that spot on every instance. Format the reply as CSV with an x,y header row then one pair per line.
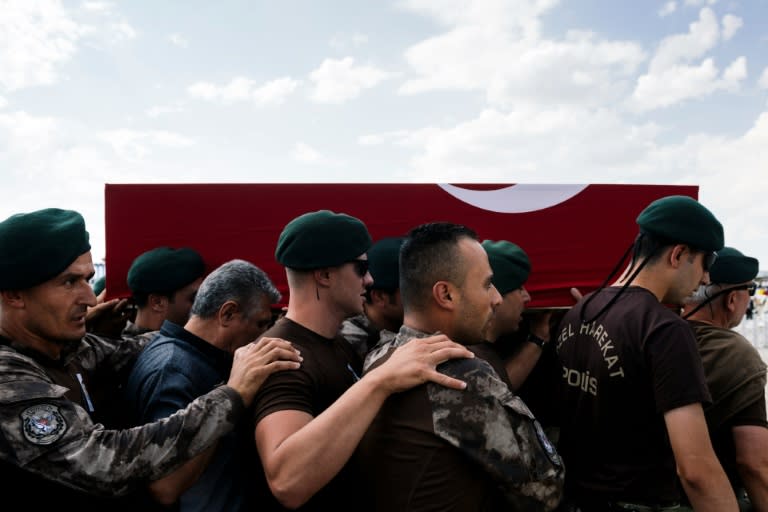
x,y
174,369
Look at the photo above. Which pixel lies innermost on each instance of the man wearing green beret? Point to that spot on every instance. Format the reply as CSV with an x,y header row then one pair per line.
x,y
632,380
308,422
736,375
163,282
383,307
52,446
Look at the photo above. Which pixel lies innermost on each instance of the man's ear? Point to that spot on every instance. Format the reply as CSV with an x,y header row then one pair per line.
x,y
322,275
676,255
12,298
227,312
157,302
444,294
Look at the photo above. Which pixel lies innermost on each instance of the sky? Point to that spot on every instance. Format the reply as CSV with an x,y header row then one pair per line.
x,y
412,91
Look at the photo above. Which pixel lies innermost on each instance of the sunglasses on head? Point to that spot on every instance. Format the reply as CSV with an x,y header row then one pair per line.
x,y
751,287
360,267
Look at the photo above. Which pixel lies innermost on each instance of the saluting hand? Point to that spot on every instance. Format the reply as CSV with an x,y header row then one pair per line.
x,y
256,361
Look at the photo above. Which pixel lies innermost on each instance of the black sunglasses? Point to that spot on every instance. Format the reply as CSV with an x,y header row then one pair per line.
x,y
751,288
360,266
709,260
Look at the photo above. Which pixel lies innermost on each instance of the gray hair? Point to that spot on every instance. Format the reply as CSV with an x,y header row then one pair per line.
x,y
235,280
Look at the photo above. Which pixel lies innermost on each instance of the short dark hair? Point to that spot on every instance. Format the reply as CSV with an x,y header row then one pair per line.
x,y
429,254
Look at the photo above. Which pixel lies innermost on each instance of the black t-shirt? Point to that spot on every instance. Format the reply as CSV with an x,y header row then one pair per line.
x,y
620,374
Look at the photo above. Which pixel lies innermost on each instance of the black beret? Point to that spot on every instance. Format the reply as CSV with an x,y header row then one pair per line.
x,y
321,239
37,246
99,284
684,220
732,267
383,263
165,270
509,263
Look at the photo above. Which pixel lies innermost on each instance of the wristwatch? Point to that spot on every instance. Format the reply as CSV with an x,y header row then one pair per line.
x,y
532,338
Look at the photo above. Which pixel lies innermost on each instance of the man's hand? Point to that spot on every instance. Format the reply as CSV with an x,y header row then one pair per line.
x,y
256,361
539,324
108,318
415,363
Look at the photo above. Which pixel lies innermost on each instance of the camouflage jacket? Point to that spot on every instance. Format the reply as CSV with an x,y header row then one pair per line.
x,y
46,429
493,427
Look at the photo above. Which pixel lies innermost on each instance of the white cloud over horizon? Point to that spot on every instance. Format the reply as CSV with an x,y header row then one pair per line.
x,y
469,91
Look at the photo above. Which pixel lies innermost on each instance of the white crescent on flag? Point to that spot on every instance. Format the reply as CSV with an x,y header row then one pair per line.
x,y
519,198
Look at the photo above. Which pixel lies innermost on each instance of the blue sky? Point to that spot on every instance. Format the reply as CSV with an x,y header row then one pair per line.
x,y
516,91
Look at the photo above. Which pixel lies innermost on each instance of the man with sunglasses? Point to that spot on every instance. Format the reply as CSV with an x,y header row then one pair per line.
x,y
231,309
736,375
633,385
309,423
383,306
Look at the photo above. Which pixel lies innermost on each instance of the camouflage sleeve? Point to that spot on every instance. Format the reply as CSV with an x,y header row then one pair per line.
x,y
115,353
50,436
495,429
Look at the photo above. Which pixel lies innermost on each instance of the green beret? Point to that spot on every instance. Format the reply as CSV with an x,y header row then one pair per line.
x,y
509,263
37,246
99,284
732,267
684,220
321,239
384,263
165,270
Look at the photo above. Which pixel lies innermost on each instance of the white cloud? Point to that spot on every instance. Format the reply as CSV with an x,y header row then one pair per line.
x,y
178,40
3,102
735,73
702,36
274,92
579,69
160,110
27,134
532,144
698,3
306,154
97,6
674,76
136,145
36,39
337,81
667,9
731,24
343,42
244,89
763,80
121,31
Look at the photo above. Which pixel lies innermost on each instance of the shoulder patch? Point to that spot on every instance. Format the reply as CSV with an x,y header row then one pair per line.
x,y
43,424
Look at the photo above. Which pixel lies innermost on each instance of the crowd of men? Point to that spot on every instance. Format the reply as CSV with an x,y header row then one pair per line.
x,y
404,375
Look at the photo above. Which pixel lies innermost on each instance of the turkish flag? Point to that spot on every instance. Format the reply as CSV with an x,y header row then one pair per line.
x,y
573,234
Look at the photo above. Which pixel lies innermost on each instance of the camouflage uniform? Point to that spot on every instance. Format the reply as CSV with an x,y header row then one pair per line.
x,y
47,434
131,329
486,422
361,334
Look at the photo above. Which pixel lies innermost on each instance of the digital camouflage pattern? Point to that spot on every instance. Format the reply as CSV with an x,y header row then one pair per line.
x,y
494,428
47,434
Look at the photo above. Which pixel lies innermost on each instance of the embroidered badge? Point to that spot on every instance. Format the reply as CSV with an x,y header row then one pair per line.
x,y
43,424
549,448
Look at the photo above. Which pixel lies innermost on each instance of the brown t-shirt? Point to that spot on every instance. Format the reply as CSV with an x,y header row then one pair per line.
x,y
736,378
329,368
621,373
